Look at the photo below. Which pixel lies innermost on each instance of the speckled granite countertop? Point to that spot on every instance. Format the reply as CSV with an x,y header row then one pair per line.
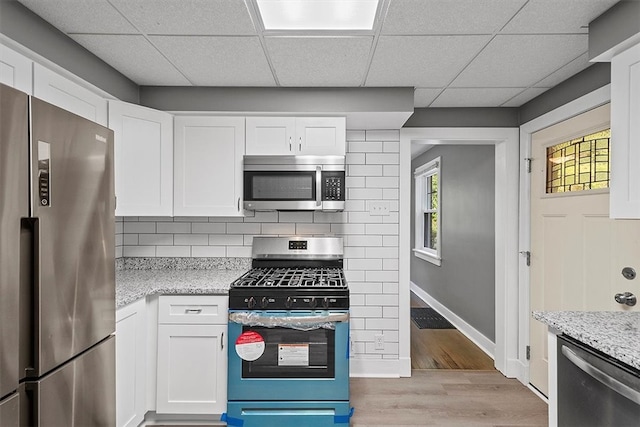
x,y
139,277
614,333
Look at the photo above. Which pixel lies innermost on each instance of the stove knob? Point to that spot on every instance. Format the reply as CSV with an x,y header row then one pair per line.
x,y
251,302
313,302
288,302
264,302
325,302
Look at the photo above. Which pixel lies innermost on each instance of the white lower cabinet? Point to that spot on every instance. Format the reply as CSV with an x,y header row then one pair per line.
x,y
131,361
192,357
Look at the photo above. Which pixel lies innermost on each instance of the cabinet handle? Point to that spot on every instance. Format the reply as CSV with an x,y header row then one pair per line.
x,y
300,144
193,310
289,143
222,341
238,204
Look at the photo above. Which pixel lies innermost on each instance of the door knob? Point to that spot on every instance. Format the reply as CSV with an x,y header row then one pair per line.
x,y
629,273
626,298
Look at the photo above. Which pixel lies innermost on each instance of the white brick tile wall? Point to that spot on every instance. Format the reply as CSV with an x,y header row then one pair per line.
x,y
371,242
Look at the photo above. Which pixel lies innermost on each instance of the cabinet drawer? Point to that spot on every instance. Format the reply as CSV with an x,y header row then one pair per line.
x,y
204,309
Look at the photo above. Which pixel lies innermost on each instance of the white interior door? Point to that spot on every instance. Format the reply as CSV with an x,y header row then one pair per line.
x,y
577,252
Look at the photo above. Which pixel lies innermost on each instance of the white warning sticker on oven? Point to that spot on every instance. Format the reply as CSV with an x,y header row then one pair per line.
x,y
293,355
250,346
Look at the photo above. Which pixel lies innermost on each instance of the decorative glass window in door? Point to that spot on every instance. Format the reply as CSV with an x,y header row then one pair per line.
x,y
579,164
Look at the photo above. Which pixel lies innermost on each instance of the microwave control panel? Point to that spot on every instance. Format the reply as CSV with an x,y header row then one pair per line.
x,y
332,185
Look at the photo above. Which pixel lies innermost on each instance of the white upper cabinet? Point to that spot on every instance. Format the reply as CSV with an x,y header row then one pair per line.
x,y
64,93
143,160
296,136
625,134
208,166
15,70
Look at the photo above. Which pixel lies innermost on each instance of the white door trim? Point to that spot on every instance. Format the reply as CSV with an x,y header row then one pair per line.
x,y
585,103
506,231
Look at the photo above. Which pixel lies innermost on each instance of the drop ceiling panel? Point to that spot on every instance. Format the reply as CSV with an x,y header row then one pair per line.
x,y
524,97
188,17
421,61
557,16
475,97
217,61
81,16
449,16
565,72
319,61
520,60
423,97
134,57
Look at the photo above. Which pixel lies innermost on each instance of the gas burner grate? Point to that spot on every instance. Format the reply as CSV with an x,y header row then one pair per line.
x,y
292,277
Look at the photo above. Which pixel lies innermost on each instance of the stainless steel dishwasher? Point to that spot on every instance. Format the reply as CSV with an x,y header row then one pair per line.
x,y
595,389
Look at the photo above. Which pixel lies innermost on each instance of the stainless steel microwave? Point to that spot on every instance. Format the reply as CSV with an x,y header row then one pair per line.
x,y
305,183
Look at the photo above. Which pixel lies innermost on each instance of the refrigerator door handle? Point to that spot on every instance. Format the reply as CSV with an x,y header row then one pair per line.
x,y
29,285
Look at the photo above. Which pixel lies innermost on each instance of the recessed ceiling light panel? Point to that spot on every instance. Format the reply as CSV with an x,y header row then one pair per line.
x,y
304,15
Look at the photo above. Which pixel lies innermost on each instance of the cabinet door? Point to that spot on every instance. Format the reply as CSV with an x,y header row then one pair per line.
x,y
321,135
625,134
131,355
208,166
64,93
143,160
192,373
16,70
270,135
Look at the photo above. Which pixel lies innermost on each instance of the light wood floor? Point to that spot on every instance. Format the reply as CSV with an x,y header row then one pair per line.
x,y
444,348
445,398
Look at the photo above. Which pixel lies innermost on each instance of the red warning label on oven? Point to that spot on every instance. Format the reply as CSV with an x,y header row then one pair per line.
x,y
250,346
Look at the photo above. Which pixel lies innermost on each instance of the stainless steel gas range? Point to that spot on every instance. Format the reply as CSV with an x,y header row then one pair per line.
x,y
289,336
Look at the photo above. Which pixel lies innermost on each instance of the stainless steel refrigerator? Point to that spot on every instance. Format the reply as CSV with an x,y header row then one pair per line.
x,y
57,278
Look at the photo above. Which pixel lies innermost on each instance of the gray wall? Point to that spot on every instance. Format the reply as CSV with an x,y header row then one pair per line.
x,y
465,282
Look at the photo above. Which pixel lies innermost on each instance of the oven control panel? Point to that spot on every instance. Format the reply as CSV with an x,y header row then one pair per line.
x,y
258,301
297,245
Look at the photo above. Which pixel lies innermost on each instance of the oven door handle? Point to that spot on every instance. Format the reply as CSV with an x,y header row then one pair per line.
x,y
250,318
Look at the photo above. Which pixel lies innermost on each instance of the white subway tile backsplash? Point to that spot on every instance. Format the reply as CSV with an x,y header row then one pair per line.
x,y
295,216
244,228
174,227
209,227
371,242
382,182
191,239
139,227
391,147
239,251
367,240
364,193
226,240
139,251
313,229
355,135
279,229
383,159
383,135
365,170
355,158
155,239
208,251
173,251
365,147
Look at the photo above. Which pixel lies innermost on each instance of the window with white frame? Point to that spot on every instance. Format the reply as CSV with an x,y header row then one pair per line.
x,y
428,218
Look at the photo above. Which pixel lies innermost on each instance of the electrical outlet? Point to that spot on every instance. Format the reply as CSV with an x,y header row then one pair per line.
x,y
378,208
379,342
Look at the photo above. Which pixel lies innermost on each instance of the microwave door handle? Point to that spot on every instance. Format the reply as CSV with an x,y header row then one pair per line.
x,y
318,186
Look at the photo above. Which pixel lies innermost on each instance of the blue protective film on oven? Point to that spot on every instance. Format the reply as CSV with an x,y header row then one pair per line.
x,y
231,421
344,419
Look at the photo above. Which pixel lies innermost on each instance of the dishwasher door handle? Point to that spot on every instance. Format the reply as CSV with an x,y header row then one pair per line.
x,y
602,377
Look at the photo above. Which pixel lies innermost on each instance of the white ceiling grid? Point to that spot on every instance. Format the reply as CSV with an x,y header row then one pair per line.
x,y
455,53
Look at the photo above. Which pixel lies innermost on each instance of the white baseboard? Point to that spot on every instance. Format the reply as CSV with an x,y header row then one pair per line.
x,y
484,343
374,368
